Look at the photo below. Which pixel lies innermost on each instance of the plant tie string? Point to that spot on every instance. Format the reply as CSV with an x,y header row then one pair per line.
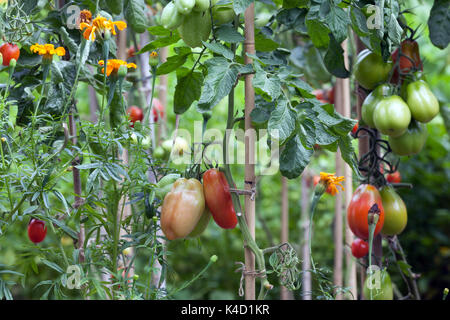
x,y
255,273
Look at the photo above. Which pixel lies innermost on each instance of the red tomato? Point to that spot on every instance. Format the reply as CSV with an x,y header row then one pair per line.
x,y
410,58
364,197
135,114
37,230
157,110
360,248
355,128
9,51
218,198
394,177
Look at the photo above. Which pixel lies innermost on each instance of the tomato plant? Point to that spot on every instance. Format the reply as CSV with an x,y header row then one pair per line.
x,y
218,199
395,214
9,51
364,197
135,114
37,230
360,248
394,177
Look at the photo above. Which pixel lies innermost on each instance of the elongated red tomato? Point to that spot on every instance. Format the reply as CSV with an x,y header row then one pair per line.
x,y
364,197
218,199
360,248
37,230
9,51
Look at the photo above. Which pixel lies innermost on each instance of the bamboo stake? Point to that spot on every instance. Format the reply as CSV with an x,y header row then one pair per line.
x,y
306,259
249,47
348,185
285,293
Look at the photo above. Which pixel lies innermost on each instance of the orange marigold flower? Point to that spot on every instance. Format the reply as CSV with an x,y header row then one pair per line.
x,y
113,65
47,50
331,182
85,16
100,26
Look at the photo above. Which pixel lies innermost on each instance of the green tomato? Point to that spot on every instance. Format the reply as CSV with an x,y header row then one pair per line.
x,y
381,290
411,142
371,70
371,101
159,153
223,13
201,224
201,5
392,116
395,214
421,101
195,28
184,6
170,17
165,185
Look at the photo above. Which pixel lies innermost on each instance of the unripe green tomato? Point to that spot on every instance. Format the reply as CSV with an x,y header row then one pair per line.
x,y
185,6
195,28
170,17
412,141
201,5
201,224
383,292
392,116
222,13
159,153
421,101
371,70
167,145
395,214
371,102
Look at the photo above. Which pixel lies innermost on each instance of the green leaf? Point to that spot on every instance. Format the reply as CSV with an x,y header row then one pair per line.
x,y
282,119
159,31
439,23
187,90
67,40
264,44
160,42
135,15
348,153
294,158
174,62
304,88
228,34
338,21
288,4
70,232
218,48
52,265
359,22
221,78
334,59
266,84
317,29
394,30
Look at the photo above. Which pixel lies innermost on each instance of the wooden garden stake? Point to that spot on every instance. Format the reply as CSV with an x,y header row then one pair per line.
x,y
285,293
306,259
249,47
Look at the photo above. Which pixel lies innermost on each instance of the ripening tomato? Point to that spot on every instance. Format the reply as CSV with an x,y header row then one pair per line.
x,y
182,209
395,214
394,177
158,110
410,58
135,114
9,51
360,248
392,116
37,230
371,102
218,198
364,197
330,95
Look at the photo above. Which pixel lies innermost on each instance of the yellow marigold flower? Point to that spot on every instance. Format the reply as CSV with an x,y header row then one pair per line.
x,y
85,16
99,27
331,182
47,50
113,65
